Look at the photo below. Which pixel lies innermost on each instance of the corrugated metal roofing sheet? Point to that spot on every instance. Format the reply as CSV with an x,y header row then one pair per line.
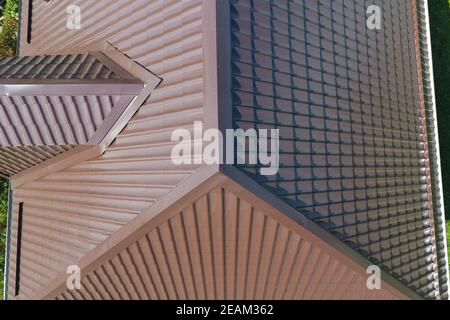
x,y
52,120
166,38
69,213
16,159
76,66
346,102
189,256
59,100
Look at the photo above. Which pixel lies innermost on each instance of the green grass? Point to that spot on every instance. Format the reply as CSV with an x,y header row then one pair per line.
x,y
8,28
11,9
440,38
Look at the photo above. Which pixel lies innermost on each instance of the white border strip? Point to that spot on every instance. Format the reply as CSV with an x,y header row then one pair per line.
x,y
436,133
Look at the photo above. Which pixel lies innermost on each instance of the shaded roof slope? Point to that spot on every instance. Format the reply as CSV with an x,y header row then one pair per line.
x,y
353,132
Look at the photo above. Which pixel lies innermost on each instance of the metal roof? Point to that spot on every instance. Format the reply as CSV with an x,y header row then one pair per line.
x,y
96,212
126,177
219,242
19,158
73,66
58,102
353,142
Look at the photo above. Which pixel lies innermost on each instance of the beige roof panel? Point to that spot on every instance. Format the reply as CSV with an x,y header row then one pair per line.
x,y
221,242
141,227
61,101
126,177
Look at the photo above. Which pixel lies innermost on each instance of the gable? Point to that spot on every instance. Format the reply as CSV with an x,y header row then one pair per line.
x,y
50,104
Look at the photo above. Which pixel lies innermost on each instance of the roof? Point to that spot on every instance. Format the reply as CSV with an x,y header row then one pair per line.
x,y
349,107
52,103
58,67
78,203
105,209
